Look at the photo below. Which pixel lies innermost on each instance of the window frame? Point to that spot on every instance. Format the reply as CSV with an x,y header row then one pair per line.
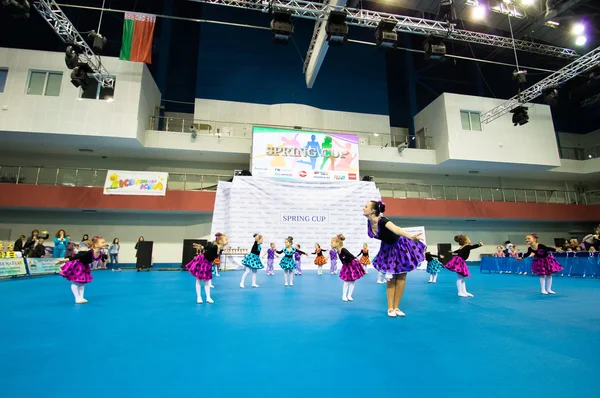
x,y
471,113
45,87
98,89
7,69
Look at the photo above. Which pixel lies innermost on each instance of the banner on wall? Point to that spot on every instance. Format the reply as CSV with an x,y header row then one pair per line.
x,y
143,183
12,267
310,211
42,266
304,155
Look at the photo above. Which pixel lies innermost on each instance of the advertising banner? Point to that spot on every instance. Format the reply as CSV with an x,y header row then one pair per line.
x,y
12,267
143,183
42,266
304,155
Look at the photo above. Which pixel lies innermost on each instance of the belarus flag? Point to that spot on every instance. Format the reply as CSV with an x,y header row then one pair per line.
x,y
138,30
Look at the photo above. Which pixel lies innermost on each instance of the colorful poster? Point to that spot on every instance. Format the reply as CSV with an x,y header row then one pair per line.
x,y
12,267
42,266
304,155
144,183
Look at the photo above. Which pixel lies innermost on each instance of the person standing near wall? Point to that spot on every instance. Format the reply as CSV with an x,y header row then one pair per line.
x,y
60,244
113,253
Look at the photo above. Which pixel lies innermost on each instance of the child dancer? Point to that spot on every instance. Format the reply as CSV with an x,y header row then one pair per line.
x,y
201,266
543,264
320,260
458,263
287,263
400,252
252,261
351,270
271,259
298,259
333,255
217,265
433,266
364,260
77,268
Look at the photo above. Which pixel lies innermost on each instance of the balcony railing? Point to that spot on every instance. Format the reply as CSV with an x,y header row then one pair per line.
x,y
580,153
234,129
81,177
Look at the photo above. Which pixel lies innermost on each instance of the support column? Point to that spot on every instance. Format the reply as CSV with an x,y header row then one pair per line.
x,y
411,85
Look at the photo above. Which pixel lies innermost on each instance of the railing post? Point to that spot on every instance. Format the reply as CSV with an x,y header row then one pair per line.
x,y
444,191
184,182
503,195
393,191
56,178
202,182
167,124
37,175
95,178
431,186
536,198
492,194
546,196
419,191
76,176
405,191
525,193
18,174
469,193
480,195
456,188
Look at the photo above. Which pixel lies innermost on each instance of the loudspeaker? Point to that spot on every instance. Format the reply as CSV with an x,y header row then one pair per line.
x,y
189,252
444,249
144,255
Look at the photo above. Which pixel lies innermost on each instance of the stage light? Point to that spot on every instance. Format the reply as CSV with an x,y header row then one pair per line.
x,y
527,2
580,40
552,24
385,35
520,116
550,96
282,27
578,29
520,76
72,56
98,41
445,10
79,75
19,9
479,12
336,28
434,48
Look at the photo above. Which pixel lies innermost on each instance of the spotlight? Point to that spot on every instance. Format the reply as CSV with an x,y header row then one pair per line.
x,y
550,96
336,28
580,40
72,56
385,35
434,48
18,8
520,116
527,2
479,12
79,75
445,10
578,29
98,43
282,27
520,76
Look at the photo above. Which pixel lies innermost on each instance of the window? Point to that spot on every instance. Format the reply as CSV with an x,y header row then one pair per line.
x,y
95,90
470,120
3,76
44,83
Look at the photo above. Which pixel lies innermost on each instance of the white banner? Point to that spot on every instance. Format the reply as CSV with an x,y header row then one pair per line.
x,y
12,267
42,266
304,155
144,183
311,212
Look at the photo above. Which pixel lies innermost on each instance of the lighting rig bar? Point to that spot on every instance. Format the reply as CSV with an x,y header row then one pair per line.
x,y
313,42
404,24
579,66
589,102
59,22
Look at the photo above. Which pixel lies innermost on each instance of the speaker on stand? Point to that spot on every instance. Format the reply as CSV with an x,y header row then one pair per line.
x,y
189,252
144,255
444,249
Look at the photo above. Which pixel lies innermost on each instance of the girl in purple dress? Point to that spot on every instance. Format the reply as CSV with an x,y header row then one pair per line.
x,y
351,270
77,268
333,261
400,252
459,263
298,260
271,259
201,267
543,264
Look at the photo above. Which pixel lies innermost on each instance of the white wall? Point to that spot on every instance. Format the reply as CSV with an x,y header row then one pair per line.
x,y
149,101
434,120
67,114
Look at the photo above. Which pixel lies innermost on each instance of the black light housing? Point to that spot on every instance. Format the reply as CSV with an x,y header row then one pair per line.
x,y
520,116
550,96
72,56
434,48
385,34
79,75
336,28
19,9
282,26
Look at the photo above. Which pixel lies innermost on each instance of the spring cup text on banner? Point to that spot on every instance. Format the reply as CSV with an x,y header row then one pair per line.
x,y
310,211
42,266
304,155
143,183
12,267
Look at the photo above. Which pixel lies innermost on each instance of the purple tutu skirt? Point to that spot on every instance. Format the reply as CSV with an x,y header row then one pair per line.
x,y
545,266
76,271
200,267
397,258
352,272
459,266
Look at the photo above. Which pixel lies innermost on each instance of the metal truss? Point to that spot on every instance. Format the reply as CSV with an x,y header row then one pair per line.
x,y
59,22
589,102
313,43
404,24
581,65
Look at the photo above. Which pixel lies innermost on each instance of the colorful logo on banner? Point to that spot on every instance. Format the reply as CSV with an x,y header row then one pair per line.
x,y
12,267
42,266
144,183
304,155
